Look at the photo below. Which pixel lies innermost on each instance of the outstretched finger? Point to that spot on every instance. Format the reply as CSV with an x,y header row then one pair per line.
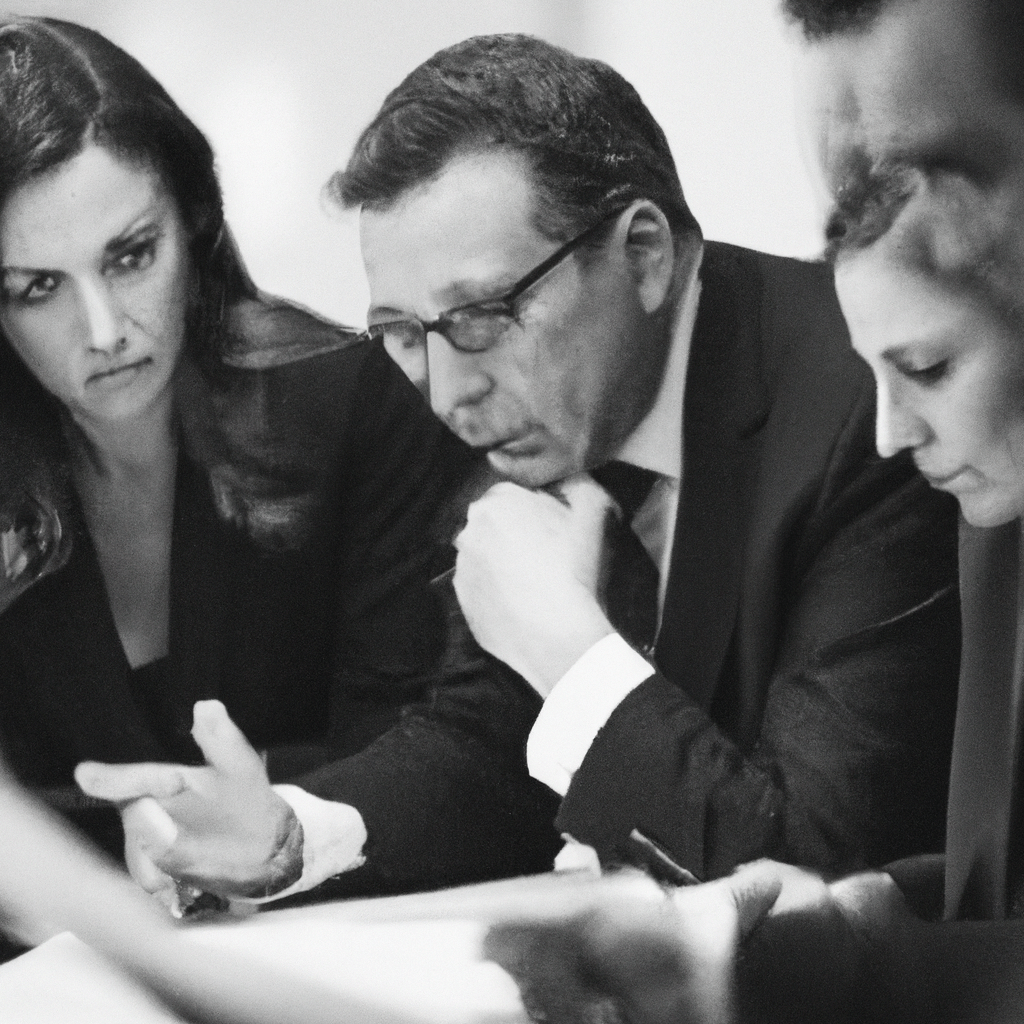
x,y
122,782
223,744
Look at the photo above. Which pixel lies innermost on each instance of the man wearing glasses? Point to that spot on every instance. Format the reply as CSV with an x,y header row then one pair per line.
x,y
731,615
741,622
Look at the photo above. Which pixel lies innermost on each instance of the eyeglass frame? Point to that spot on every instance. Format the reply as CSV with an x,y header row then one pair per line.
x,y
506,299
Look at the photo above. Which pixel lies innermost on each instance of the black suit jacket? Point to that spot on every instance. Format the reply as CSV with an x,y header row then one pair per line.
x,y
985,840
301,598
807,662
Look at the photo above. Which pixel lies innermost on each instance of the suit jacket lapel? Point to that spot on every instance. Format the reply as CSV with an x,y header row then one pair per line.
x,y
198,603
986,745
725,404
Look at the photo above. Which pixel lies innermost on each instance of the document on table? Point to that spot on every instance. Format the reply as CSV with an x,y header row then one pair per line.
x,y
428,971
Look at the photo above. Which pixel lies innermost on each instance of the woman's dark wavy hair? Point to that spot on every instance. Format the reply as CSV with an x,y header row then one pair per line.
x,y
64,87
591,142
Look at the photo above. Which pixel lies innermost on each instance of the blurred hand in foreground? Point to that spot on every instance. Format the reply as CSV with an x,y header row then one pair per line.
x,y
51,880
770,942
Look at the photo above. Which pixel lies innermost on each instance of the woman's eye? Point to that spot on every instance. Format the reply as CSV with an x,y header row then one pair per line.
x,y
930,374
136,257
36,289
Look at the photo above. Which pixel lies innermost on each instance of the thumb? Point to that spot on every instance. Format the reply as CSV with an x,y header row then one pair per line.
x,y
755,888
149,832
223,744
589,501
146,874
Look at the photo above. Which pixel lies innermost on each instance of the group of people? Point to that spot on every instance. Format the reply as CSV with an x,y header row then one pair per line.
x,y
599,547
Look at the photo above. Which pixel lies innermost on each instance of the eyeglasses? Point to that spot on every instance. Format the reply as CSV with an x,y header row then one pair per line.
x,y
477,326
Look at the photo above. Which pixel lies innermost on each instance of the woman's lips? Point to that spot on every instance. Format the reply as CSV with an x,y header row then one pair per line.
x,y
116,371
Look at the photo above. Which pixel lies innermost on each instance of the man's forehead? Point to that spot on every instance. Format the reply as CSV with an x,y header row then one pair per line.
x,y
456,237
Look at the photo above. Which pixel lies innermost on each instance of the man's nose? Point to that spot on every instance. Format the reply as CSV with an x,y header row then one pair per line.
x,y
456,379
897,425
102,320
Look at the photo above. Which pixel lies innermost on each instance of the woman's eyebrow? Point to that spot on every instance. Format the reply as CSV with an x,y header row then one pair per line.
x,y
146,224
148,221
27,271
931,344
896,355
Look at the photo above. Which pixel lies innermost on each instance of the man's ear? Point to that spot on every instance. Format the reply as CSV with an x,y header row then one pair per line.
x,y
651,254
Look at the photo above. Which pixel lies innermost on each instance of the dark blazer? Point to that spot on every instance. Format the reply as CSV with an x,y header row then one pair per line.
x,y
303,544
985,842
807,663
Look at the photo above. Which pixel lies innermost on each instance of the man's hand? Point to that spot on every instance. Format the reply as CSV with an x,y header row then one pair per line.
x,y
638,955
769,942
528,573
220,827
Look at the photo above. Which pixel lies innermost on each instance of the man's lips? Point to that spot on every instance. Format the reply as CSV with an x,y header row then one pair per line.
x,y
944,479
520,444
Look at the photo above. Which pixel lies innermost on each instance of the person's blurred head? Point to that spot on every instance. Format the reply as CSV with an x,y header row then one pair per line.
x,y
917,112
480,166
34,535
936,84
68,96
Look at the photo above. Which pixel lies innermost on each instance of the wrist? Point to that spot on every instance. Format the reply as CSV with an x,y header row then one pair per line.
x,y
576,632
284,866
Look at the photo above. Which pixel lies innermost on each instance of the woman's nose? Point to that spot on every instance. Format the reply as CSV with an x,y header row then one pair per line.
x,y
102,322
897,424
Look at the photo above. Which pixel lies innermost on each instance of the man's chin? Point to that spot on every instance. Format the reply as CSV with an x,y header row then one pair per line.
x,y
988,510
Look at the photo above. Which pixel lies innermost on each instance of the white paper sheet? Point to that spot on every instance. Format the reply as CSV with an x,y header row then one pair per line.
x,y
430,970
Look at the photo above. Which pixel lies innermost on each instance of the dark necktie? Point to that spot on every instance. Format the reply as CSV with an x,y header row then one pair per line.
x,y
631,592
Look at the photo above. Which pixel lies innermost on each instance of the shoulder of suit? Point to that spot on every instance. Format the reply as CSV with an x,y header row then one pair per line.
x,y
798,308
264,330
780,271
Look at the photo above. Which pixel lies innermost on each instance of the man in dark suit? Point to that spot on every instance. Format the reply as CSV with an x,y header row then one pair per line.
x,y
774,670
918,107
533,264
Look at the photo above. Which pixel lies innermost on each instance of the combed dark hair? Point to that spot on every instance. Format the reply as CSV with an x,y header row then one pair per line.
x,y
591,142
63,87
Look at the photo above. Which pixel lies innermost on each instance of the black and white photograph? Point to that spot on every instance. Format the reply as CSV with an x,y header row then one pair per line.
x,y
511,511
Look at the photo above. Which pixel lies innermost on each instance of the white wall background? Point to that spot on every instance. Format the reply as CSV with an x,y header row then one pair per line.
x,y
283,87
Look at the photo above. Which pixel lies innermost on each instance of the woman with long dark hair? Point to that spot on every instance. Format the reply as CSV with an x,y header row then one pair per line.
x,y
228,499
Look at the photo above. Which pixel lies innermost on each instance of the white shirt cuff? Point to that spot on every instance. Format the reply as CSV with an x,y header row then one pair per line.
x,y
333,837
576,856
577,708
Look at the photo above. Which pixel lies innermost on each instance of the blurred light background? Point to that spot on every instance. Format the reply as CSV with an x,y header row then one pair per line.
x,y
283,87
